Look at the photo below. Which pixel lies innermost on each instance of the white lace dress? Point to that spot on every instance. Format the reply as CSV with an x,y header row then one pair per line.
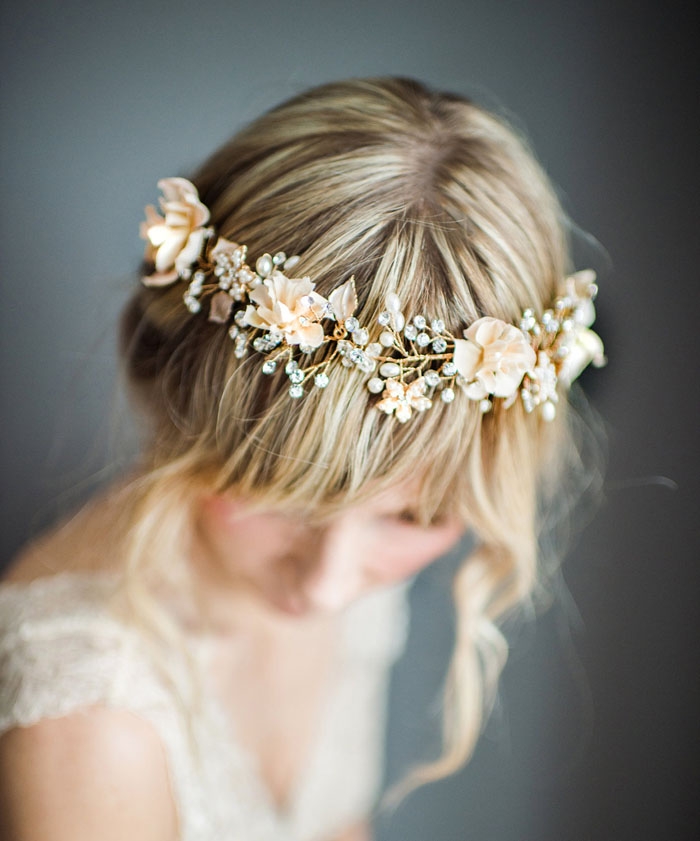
x,y
61,650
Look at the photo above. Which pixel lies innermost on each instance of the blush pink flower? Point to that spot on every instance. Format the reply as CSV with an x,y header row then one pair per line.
x,y
401,399
493,358
174,240
288,306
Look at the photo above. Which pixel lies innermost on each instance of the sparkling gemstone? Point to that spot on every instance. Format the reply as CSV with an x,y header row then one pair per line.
x,y
389,369
420,322
344,347
193,304
233,331
239,317
346,362
268,367
386,339
306,348
373,349
351,324
360,336
296,377
295,391
375,385
432,378
485,405
449,369
279,258
447,395
260,344
384,318
321,380
439,345
437,325
422,339
356,356
367,365
410,331
292,365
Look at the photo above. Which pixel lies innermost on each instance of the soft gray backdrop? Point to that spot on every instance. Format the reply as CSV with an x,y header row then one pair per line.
x,y
597,725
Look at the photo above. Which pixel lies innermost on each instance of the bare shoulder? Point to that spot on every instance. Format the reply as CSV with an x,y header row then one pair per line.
x,y
98,773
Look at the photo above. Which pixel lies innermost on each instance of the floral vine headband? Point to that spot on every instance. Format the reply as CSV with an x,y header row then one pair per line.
x,y
410,362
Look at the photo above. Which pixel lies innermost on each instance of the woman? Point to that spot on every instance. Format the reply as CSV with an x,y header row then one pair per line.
x,y
203,650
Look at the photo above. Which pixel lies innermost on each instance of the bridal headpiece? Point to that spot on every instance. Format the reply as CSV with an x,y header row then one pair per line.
x,y
408,360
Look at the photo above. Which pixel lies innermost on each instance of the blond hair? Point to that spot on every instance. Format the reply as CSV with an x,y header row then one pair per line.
x,y
412,191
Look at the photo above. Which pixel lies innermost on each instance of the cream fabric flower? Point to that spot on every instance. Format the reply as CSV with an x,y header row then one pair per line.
x,y
401,399
344,300
584,346
174,241
492,358
288,306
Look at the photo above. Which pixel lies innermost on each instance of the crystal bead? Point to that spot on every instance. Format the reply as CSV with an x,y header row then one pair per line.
x,y
449,369
386,339
373,349
292,365
422,339
410,331
344,347
307,348
375,385
356,356
260,344
389,369
279,258
346,362
295,391
193,304
264,265
239,317
219,270
296,377
268,367
432,378
367,365
485,405
233,331
321,380
420,322
360,337
447,395
439,345
351,324
437,325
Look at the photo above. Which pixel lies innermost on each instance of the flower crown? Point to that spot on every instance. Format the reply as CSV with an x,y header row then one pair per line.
x,y
410,362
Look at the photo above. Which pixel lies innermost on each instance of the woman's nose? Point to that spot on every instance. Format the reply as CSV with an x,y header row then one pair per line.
x,y
334,577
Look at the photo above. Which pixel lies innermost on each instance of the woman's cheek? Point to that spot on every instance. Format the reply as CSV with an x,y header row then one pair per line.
x,y
410,550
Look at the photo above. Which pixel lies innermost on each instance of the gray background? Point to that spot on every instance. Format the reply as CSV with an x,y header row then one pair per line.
x,y
596,731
